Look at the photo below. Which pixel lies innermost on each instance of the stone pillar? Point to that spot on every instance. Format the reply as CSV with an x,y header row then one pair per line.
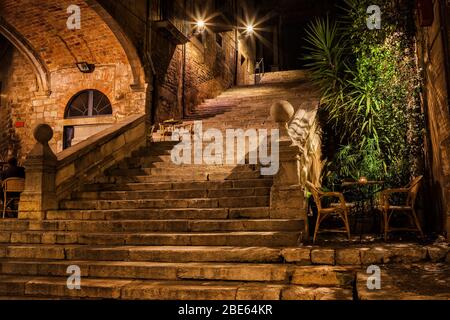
x,y
287,195
39,195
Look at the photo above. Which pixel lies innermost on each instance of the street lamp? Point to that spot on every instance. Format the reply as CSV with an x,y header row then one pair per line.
x,y
85,67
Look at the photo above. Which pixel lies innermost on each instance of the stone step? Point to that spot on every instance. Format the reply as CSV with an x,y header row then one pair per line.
x,y
192,185
323,276
162,214
143,163
251,238
198,176
228,202
171,194
207,110
355,255
177,225
164,290
147,158
244,125
150,151
247,114
193,170
157,151
155,162
161,150
261,115
142,253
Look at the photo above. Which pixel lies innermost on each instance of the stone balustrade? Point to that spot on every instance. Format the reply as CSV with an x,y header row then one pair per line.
x,y
51,177
300,161
304,131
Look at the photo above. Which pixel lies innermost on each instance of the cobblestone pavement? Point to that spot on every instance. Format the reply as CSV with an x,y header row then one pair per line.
x,y
429,281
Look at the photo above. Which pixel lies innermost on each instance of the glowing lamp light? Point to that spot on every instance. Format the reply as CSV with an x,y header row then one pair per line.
x,y
250,29
201,26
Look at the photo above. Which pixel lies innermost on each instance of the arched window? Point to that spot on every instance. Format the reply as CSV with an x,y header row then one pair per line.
x,y
88,103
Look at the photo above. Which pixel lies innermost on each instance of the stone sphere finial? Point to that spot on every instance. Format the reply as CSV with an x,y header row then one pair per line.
x,y
43,133
282,111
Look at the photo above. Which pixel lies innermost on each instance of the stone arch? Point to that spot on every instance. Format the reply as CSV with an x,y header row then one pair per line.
x,y
26,49
128,47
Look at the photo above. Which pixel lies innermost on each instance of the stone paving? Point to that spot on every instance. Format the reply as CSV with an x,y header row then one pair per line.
x,y
427,281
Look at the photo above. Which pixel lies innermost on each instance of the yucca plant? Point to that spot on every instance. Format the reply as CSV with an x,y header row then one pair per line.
x,y
366,87
326,49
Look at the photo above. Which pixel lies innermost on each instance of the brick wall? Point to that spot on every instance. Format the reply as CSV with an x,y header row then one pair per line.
x,y
432,58
41,27
8,140
19,83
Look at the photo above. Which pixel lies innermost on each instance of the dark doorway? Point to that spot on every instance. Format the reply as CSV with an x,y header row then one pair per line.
x,y
68,135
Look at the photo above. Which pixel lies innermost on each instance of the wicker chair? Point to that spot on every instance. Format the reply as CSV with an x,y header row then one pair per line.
x,y
389,209
164,131
340,209
11,187
150,133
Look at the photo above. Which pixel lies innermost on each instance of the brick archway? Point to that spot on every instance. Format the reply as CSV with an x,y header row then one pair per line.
x,y
130,50
43,28
39,32
24,47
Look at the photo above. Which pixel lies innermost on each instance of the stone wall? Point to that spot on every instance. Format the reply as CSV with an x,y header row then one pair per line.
x,y
201,69
9,140
18,83
432,59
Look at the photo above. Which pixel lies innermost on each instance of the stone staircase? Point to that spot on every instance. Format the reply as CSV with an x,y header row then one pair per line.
x,y
149,229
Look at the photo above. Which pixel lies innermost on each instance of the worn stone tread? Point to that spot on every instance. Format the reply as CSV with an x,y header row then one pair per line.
x,y
325,276
56,287
159,225
230,238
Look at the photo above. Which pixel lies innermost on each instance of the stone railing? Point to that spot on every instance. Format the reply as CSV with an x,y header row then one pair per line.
x,y
305,134
300,146
51,177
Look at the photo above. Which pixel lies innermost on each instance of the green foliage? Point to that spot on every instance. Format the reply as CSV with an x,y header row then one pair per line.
x,y
370,88
326,50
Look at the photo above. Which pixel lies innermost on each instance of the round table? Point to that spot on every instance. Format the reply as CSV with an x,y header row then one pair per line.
x,y
364,198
